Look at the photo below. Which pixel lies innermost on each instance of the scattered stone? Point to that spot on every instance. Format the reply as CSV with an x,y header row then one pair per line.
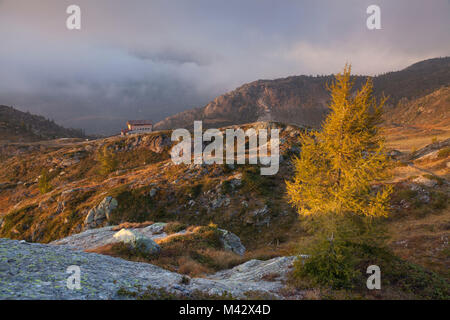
x,y
259,217
153,192
220,201
404,204
156,228
260,212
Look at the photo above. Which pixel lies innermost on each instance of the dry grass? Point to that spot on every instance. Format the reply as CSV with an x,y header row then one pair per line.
x,y
423,241
174,227
407,139
132,225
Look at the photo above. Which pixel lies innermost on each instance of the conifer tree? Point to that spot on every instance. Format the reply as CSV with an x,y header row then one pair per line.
x,y
334,186
338,165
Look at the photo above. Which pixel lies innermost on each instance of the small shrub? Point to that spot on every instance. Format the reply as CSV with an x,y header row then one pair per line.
x,y
226,187
404,194
226,168
44,182
439,200
444,153
329,264
253,181
195,190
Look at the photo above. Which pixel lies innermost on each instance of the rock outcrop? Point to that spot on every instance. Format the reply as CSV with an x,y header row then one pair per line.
x,y
231,242
149,235
157,143
429,149
101,213
37,271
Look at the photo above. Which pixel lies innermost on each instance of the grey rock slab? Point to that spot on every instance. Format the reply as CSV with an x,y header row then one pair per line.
x,y
38,271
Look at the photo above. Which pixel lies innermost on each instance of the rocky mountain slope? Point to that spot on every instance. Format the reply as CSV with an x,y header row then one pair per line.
x,y
18,126
302,100
431,110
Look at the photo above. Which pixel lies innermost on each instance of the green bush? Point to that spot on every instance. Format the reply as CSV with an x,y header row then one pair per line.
x,y
330,264
253,181
347,269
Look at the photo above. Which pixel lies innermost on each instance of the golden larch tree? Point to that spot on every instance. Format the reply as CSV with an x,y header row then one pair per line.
x,y
338,166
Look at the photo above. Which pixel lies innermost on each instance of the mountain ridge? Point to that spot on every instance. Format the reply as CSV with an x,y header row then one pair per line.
x,y
18,126
302,100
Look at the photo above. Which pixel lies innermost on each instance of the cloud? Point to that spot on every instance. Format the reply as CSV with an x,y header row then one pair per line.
x,y
149,59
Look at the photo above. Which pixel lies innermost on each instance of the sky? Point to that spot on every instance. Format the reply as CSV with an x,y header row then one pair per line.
x,y
145,59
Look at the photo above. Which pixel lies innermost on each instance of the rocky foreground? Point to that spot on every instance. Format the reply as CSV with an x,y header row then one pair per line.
x,y
38,271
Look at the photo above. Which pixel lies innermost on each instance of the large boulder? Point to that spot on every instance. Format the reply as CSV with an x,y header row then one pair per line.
x,y
101,213
231,242
137,241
